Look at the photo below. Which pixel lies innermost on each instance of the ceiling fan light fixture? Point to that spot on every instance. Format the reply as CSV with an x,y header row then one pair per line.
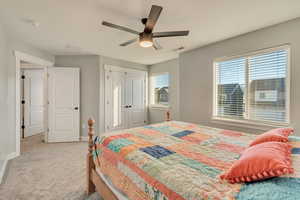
x,y
146,40
146,37
146,44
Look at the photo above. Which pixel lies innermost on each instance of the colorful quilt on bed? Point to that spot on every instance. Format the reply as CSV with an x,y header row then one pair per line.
x,y
177,161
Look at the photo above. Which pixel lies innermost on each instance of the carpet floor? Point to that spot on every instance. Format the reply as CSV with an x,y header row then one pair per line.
x,y
47,172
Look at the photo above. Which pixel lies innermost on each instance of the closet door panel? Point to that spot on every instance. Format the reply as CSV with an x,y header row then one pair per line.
x,y
128,91
137,107
125,98
115,102
138,93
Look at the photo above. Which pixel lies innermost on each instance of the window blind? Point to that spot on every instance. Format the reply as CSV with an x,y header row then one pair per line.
x,y
267,78
230,88
253,87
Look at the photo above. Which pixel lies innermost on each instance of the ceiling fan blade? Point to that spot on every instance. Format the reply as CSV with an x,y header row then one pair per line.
x,y
152,18
170,34
122,28
156,45
129,42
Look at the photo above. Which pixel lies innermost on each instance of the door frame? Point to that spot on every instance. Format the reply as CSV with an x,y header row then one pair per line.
x,y
110,68
20,56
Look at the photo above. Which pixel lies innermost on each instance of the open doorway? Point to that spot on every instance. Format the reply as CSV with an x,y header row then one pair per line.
x,y
33,67
33,105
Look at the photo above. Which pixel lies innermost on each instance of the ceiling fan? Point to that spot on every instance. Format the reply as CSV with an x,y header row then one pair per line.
x,y
146,37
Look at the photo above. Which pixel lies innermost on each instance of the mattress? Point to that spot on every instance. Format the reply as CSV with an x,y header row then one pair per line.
x,y
183,161
111,186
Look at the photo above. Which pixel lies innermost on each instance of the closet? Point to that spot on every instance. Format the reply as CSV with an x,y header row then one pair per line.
x,y
125,98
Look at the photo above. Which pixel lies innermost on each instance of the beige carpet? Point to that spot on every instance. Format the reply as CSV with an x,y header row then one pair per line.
x,y
46,172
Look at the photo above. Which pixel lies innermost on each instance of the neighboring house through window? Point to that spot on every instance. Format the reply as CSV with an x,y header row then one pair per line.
x,y
159,89
253,87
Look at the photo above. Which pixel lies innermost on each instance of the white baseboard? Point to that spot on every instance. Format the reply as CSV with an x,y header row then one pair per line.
x,y
3,168
12,156
63,140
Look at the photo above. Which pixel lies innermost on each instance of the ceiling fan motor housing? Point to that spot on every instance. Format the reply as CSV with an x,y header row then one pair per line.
x,y
144,21
147,36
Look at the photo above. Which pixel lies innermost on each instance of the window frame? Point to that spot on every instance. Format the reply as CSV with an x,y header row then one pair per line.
x,y
151,94
246,121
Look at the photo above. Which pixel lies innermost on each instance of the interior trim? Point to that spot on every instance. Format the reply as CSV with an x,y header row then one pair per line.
x,y
20,56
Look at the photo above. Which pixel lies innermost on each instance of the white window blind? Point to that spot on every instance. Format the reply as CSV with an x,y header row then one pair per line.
x,y
230,88
253,87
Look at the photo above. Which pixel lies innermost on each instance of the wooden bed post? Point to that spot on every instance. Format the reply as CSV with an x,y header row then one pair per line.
x,y
90,163
168,116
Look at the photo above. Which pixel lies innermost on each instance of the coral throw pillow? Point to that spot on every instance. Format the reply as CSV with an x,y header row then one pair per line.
x,y
274,135
260,162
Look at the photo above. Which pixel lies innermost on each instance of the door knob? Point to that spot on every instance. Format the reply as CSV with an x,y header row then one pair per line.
x,y
76,108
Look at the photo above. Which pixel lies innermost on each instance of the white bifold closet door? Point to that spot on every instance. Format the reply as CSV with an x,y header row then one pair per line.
x,y
125,98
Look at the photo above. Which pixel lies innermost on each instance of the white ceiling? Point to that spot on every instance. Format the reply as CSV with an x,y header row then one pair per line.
x,y
73,26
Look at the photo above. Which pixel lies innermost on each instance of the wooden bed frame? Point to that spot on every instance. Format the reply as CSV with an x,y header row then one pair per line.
x,y
94,180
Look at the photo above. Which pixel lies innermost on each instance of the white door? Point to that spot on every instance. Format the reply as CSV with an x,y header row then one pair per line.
x,y
114,99
125,95
64,110
135,99
34,107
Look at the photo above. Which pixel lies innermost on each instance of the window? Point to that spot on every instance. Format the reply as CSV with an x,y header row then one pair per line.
x,y
159,88
254,87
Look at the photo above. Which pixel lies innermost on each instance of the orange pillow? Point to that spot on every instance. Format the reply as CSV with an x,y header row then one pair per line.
x,y
260,162
274,135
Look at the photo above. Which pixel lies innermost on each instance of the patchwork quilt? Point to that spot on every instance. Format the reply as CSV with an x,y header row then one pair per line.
x,y
182,161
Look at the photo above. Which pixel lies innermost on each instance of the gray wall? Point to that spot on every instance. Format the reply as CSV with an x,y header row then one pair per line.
x,y
196,72
172,67
195,77
89,87
91,69
8,101
3,92
92,84
17,45
122,63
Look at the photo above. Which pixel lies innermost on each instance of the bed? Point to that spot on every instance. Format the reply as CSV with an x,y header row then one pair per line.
x,y
178,161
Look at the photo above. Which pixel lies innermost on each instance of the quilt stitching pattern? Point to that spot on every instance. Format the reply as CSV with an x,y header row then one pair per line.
x,y
182,161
